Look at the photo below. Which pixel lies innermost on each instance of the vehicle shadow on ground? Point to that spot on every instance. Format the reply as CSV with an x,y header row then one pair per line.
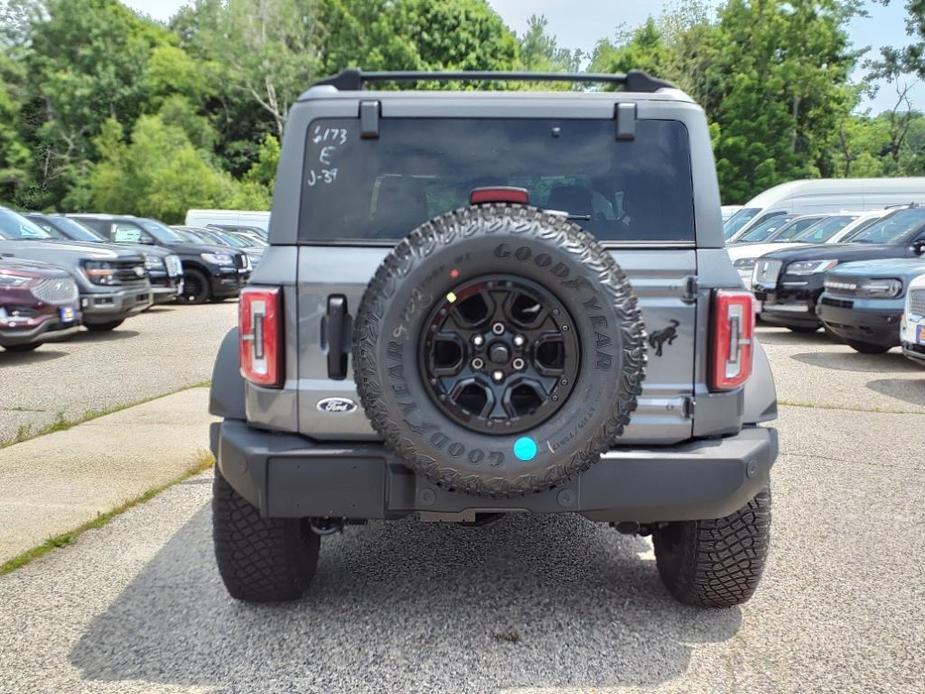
x,y
106,336
855,361
527,601
36,357
781,336
905,389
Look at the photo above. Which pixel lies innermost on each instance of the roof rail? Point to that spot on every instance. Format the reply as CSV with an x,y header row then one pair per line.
x,y
353,79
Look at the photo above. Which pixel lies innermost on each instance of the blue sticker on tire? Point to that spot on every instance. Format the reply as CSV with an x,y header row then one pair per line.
x,y
525,448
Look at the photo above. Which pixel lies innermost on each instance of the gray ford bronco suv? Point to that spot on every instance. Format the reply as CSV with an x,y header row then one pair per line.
x,y
487,302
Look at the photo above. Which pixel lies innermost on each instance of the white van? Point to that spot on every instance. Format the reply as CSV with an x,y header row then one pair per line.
x,y
242,218
825,195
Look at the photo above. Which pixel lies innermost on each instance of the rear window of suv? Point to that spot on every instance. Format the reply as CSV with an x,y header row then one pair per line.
x,y
379,189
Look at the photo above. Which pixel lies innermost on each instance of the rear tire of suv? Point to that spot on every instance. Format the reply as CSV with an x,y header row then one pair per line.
x,y
716,563
260,559
867,347
104,327
196,288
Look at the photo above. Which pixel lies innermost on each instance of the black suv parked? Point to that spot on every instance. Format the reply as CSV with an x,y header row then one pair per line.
x,y
210,272
165,272
789,282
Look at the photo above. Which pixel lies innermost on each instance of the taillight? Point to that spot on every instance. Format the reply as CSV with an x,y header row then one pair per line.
x,y
732,334
260,328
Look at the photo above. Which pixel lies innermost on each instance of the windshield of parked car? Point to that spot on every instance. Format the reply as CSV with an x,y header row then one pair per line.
x,y
892,228
732,225
379,189
14,226
74,230
763,230
229,239
793,229
161,232
820,232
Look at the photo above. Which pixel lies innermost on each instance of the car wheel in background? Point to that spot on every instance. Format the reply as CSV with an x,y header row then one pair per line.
x,y
104,327
867,347
195,287
802,329
23,348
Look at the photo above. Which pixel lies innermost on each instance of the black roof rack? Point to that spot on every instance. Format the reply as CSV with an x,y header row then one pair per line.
x,y
353,79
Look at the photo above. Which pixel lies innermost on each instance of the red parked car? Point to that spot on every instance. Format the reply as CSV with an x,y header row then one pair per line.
x,y
38,303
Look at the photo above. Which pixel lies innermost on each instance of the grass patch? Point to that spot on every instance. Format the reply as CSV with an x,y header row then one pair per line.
x,y
848,408
61,422
201,463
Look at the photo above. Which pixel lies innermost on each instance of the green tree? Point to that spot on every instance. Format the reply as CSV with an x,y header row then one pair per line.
x,y
14,155
772,75
159,173
540,51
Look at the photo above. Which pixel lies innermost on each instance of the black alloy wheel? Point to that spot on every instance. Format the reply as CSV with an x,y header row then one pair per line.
x,y
195,287
500,354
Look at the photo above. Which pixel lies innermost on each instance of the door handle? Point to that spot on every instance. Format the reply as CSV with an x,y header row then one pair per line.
x,y
337,325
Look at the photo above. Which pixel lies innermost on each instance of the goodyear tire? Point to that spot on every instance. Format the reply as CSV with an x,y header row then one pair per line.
x,y
541,329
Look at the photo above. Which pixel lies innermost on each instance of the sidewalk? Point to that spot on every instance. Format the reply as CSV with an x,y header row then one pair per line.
x,y
54,483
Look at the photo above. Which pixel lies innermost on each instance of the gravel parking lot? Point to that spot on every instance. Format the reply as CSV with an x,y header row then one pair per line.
x,y
157,352
529,604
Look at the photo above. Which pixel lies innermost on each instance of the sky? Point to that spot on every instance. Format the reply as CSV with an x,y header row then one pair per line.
x,y
580,23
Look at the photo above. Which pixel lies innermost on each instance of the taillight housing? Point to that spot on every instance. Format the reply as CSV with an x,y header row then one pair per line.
x,y
732,333
260,328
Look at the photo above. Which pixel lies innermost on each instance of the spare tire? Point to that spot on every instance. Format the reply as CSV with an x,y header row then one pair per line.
x,y
499,350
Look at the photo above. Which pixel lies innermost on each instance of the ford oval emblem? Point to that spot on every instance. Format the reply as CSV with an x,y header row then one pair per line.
x,y
336,405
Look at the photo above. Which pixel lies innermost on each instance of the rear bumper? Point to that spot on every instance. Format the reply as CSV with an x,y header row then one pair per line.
x,y
876,327
287,475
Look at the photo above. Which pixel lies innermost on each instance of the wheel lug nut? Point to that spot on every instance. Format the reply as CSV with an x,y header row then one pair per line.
x,y
477,363
519,340
518,363
498,328
497,375
478,340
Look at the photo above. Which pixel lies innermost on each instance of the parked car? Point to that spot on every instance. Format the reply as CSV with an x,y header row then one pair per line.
x,y
165,270
255,234
912,327
113,283
788,282
210,272
729,210
745,255
223,238
38,303
494,346
783,226
235,218
862,303
818,195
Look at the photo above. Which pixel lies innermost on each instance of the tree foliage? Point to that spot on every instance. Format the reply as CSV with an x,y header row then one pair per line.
x,y
103,109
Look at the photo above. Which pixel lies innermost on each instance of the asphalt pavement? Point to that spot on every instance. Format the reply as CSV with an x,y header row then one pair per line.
x,y
156,352
528,604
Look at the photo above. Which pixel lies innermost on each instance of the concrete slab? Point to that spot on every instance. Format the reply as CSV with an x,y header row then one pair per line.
x,y
55,483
